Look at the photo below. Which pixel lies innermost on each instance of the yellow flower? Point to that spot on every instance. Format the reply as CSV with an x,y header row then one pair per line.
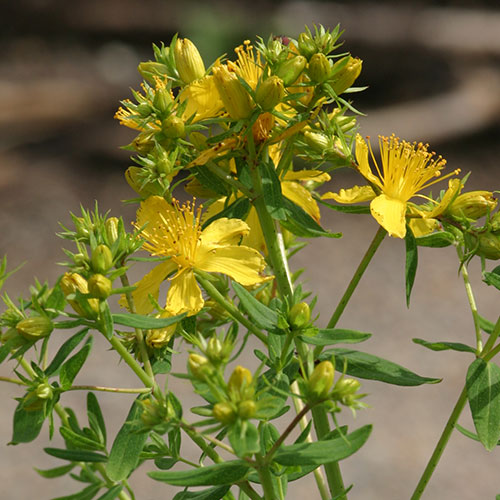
x,y
174,231
406,168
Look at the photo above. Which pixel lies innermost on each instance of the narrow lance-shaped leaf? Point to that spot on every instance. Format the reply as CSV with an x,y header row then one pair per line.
x,y
215,493
70,369
65,350
271,190
371,367
335,336
445,346
411,262
75,455
145,322
483,393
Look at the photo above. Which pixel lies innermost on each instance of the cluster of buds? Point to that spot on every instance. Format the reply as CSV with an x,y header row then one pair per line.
x,y
40,393
157,415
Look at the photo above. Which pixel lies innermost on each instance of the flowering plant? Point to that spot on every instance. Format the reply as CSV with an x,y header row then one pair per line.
x,y
216,274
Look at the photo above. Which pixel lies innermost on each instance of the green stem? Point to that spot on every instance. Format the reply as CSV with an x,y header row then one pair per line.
x,y
318,473
266,480
491,340
27,367
12,380
473,307
251,493
370,252
229,307
201,443
440,446
140,390
100,467
332,469
227,178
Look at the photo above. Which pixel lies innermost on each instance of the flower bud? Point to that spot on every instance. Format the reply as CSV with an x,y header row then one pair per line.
x,y
44,391
473,205
144,110
345,390
247,409
299,315
70,284
163,100
188,60
215,350
137,182
111,226
319,68
321,380
224,413
160,337
270,92
150,70
35,328
236,99
291,69
307,47
345,74
153,412
99,286
199,366
495,222
173,127
489,246
318,141
102,259
240,379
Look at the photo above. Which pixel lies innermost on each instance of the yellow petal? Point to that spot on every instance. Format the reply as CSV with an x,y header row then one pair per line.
x,y
148,214
241,263
306,175
255,239
184,294
224,231
421,227
301,197
202,99
390,213
363,162
454,188
149,285
356,194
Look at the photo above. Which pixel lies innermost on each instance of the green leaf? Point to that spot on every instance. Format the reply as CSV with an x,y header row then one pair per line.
x,y
112,492
96,419
70,369
244,438
436,240
486,325
336,336
56,471
6,349
165,463
492,278
27,424
467,433
127,446
411,262
145,322
76,455
371,367
215,493
75,440
106,320
444,346
210,180
65,350
86,494
271,191
223,473
347,209
483,393
323,452
302,224
263,316
236,210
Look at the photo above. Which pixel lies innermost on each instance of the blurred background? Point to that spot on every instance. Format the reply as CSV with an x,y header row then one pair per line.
x,y
433,71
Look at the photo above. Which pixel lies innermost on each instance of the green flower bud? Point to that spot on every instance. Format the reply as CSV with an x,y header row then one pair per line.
x,y
291,69
144,110
319,68
344,74
112,225
473,205
270,92
99,286
44,391
134,177
153,412
321,380
199,366
173,127
163,100
215,350
236,99
164,165
299,315
495,222
247,409
102,259
35,328
489,246
307,47
318,141
345,390
150,69
188,60
224,413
